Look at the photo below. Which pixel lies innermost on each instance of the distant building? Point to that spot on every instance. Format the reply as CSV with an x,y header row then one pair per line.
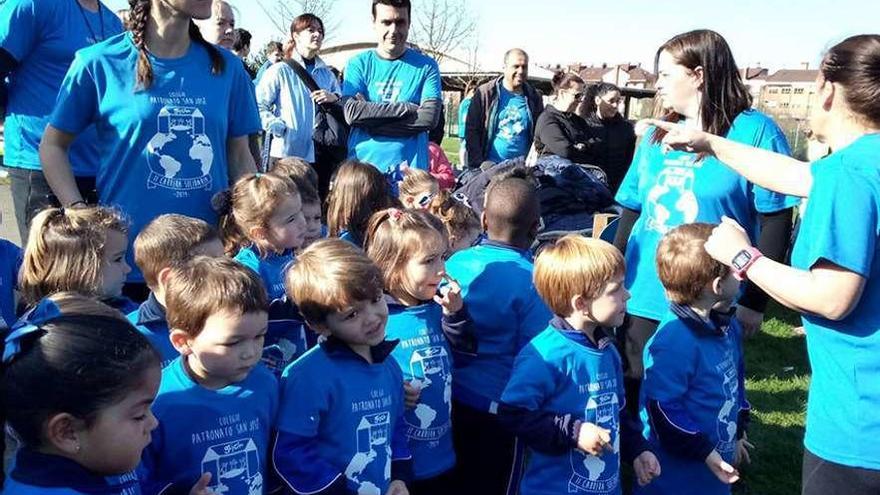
x,y
790,92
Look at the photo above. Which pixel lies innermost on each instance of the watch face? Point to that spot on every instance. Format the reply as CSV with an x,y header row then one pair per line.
x,y
740,260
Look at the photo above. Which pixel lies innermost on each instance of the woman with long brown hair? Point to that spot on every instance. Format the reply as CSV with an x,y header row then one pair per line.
x,y
173,114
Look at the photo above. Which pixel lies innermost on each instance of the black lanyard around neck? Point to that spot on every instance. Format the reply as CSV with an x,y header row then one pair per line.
x,y
89,26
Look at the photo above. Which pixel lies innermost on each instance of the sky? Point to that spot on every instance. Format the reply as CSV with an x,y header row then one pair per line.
x,y
773,33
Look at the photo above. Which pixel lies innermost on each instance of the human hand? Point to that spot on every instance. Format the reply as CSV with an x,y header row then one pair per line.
x,y
742,455
726,473
277,127
323,96
727,240
411,393
682,138
397,487
450,296
201,486
750,320
593,439
647,467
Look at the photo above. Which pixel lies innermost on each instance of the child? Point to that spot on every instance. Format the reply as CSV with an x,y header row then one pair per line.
x,y
496,284
77,389
693,397
565,399
409,247
349,435
305,178
216,405
296,169
358,191
460,220
418,188
165,242
77,250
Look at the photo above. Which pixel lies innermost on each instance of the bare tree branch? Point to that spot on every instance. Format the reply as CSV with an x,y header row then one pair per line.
x,y
282,12
443,26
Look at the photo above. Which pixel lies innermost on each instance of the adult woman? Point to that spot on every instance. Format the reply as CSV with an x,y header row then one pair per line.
x,y
614,139
700,85
287,106
173,114
559,131
834,280
37,43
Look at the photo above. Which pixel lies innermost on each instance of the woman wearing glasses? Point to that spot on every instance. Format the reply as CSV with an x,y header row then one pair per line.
x,y
559,131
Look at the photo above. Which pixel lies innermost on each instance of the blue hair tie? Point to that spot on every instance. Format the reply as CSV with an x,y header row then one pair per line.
x,y
258,174
29,324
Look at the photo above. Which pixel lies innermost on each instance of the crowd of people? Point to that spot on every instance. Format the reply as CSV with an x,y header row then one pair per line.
x,y
248,280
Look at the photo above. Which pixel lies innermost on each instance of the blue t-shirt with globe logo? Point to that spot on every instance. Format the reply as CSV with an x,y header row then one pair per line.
x,y
163,148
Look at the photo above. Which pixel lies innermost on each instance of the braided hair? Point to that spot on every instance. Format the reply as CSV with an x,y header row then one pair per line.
x,y
140,14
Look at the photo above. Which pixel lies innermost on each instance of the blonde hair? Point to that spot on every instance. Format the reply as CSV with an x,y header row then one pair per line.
x,y
455,213
575,265
683,265
329,276
168,240
394,237
358,191
417,182
65,251
250,204
205,286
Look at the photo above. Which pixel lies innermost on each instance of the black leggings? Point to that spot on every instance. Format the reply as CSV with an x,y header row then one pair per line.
x,y
487,454
821,477
632,337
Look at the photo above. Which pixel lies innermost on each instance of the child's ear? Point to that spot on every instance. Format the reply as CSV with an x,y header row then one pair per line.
x,y
62,433
181,341
483,224
717,283
580,304
319,328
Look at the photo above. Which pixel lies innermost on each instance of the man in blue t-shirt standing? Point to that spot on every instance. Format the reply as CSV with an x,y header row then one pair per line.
x,y
501,119
391,95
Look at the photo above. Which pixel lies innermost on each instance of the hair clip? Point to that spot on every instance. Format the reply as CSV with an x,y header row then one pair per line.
x,y
425,201
29,324
461,198
396,214
258,174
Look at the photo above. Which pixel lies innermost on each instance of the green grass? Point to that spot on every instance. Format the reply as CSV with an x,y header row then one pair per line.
x,y
777,377
450,146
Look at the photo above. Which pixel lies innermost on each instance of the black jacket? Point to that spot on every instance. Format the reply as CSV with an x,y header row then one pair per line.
x,y
613,146
564,134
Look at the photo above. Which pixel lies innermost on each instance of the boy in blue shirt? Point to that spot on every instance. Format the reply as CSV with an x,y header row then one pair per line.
x,y
216,404
340,427
496,285
693,404
167,241
565,398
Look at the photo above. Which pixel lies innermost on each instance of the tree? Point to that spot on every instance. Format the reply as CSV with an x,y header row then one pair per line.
x,y
282,12
443,26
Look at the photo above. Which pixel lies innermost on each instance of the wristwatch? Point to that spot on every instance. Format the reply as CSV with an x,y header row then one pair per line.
x,y
743,261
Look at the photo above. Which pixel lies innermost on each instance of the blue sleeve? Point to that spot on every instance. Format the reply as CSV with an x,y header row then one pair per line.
x,y
298,416
842,219
301,470
432,87
244,119
533,317
628,194
147,470
267,90
19,27
767,201
459,331
677,431
353,82
77,101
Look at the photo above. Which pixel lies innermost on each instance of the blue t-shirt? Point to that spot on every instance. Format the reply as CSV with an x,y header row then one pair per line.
x,y
353,408
462,116
562,372
841,226
426,361
703,373
511,126
35,473
496,285
224,432
413,78
10,263
163,149
271,268
43,36
672,189
150,320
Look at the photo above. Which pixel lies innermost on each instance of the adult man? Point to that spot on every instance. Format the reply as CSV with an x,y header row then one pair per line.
x,y
392,95
218,29
500,122
241,47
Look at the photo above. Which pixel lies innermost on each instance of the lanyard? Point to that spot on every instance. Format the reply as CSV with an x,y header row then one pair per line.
x,y
89,26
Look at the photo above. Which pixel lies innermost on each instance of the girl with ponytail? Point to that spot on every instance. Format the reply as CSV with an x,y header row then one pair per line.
x,y
163,100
